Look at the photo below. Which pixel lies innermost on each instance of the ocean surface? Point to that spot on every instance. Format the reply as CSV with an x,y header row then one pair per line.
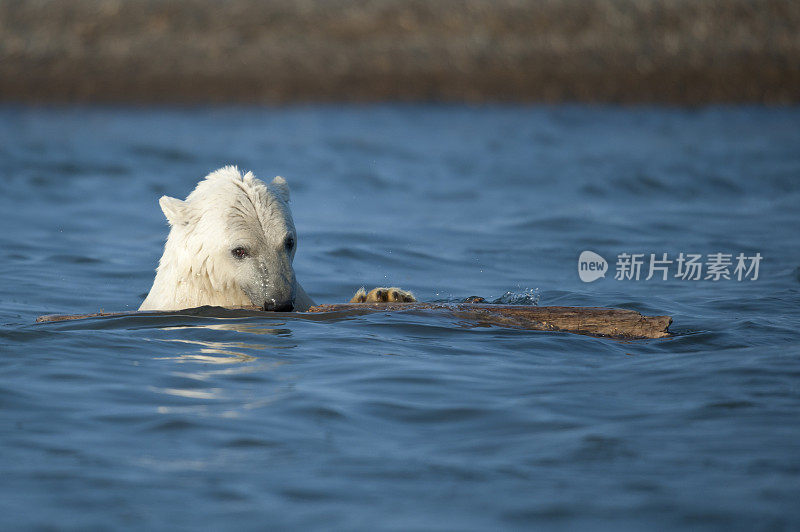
x,y
407,421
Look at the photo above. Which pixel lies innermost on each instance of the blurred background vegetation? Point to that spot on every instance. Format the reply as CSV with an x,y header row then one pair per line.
x,y
271,51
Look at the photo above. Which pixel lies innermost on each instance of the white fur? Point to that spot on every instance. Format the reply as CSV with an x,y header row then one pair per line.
x,y
228,210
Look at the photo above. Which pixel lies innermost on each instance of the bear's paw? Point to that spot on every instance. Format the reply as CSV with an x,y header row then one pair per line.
x,y
383,294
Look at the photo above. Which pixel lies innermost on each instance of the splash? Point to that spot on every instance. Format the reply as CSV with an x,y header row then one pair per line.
x,y
529,296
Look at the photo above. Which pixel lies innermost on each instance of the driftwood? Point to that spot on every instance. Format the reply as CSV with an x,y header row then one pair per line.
x,y
594,321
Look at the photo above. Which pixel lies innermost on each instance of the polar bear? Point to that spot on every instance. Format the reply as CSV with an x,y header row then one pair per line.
x,y
231,244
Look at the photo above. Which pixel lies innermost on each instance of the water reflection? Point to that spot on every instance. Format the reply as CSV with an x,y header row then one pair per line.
x,y
221,368
220,353
209,393
236,326
217,352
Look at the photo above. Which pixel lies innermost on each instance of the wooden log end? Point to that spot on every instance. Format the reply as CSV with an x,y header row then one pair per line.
x,y
50,318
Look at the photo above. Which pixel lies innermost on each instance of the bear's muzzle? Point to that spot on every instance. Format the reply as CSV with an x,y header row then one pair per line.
x,y
272,306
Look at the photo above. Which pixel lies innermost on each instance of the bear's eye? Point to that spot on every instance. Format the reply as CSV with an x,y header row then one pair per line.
x,y
239,253
289,243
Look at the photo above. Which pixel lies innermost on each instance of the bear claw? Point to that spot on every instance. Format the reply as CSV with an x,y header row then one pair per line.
x,y
383,294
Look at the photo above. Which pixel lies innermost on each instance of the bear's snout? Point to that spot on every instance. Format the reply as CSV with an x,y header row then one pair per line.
x,y
272,306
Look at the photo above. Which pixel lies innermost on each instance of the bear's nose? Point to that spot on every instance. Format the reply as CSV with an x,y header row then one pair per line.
x,y
272,306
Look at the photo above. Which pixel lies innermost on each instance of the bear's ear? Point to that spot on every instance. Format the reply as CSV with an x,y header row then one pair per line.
x,y
281,187
174,209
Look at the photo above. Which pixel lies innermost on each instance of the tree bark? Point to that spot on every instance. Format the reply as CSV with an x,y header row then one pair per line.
x,y
593,321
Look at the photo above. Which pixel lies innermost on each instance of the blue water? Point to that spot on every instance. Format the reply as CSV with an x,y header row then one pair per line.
x,y
404,421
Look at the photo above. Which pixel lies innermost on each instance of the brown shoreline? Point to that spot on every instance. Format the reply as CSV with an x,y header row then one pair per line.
x,y
249,51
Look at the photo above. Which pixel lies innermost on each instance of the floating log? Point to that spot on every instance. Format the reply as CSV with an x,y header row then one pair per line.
x,y
50,318
593,321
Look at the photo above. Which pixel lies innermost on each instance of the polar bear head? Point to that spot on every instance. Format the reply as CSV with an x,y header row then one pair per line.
x,y
231,243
